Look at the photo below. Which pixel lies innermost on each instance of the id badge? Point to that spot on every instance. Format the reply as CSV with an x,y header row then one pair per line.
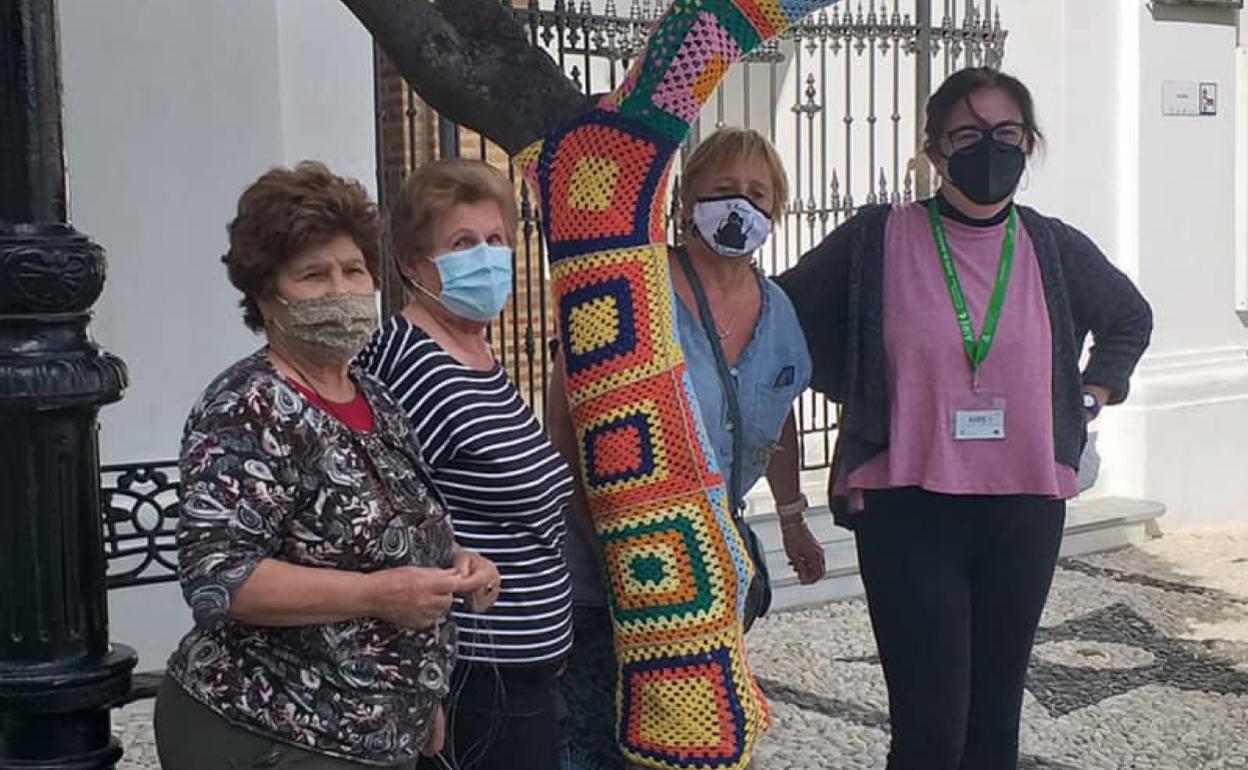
x,y
979,417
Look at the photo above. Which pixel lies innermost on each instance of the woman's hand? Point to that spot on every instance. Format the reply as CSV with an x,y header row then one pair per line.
x,y
480,582
1101,394
437,737
803,549
411,597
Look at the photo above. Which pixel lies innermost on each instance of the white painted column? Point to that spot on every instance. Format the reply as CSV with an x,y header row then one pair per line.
x,y
1190,410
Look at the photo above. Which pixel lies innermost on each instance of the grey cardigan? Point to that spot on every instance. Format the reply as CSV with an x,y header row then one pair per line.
x,y
837,289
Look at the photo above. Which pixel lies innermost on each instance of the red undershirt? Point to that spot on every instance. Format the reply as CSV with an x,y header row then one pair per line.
x,y
355,414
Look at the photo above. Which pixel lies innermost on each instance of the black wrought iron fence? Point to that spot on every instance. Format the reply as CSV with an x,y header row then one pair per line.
x,y
139,503
841,96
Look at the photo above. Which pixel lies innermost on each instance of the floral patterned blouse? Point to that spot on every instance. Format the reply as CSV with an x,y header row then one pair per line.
x,y
267,475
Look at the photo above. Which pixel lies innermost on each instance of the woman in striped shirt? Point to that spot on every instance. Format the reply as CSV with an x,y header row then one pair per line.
x,y
452,229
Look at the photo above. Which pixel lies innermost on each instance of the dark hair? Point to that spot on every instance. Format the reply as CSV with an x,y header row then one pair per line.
x,y
957,89
286,211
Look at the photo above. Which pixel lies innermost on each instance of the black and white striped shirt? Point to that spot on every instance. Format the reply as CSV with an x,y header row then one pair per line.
x,y
506,486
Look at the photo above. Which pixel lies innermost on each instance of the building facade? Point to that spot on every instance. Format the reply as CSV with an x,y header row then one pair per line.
x,y
172,108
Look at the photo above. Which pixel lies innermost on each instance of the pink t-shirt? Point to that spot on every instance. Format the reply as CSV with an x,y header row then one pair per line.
x,y
929,374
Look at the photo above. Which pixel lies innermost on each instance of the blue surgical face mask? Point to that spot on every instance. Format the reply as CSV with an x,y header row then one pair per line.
x,y
475,282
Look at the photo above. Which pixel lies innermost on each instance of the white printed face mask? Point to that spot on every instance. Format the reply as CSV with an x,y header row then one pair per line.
x,y
733,227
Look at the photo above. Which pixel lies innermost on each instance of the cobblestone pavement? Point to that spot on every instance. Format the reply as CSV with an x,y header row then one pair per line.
x,y
1141,664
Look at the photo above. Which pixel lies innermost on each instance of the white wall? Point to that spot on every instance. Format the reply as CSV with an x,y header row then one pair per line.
x,y
327,88
1192,408
172,107
1158,194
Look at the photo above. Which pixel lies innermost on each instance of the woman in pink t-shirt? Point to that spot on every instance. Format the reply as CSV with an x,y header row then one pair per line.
x,y
950,331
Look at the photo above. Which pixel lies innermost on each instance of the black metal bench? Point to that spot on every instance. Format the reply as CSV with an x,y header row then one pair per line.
x,y
139,503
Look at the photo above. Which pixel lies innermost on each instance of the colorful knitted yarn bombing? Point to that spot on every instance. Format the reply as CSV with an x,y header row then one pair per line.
x,y
677,567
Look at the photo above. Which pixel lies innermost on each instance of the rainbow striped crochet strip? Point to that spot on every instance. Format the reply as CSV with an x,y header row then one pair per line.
x,y
677,567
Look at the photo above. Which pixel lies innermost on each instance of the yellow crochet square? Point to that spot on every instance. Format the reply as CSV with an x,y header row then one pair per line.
x,y
653,315
699,724
661,715
593,184
594,325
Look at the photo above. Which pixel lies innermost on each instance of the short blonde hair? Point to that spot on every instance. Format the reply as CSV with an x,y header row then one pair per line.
x,y
432,190
728,145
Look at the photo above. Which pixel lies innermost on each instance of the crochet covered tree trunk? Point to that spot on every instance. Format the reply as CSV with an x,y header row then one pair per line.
x,y
677,567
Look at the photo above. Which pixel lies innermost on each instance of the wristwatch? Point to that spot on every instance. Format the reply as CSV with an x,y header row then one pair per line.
x,y
1091,405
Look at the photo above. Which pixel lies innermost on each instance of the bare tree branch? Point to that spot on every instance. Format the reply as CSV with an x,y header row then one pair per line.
x,y
473,63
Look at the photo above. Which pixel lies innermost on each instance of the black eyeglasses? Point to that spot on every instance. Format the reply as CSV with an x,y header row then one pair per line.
x,y
1010,133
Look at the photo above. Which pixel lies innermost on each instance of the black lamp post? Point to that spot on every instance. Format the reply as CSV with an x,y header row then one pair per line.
x,y
59,675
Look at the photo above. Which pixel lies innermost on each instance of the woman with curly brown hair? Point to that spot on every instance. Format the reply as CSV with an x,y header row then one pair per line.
x,y
313,548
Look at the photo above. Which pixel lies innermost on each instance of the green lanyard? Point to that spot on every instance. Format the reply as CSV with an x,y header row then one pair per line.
x,y
976,350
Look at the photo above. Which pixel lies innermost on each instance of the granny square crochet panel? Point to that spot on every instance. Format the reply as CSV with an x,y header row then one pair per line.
x,y
676,564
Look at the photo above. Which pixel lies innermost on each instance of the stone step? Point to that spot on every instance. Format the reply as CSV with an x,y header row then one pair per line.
x,y
1092,525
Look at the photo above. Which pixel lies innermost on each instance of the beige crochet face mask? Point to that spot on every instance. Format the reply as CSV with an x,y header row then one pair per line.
x,y
331,329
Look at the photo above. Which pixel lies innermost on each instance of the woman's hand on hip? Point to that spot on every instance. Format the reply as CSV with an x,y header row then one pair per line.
x,y
1102,396
480,582
412,597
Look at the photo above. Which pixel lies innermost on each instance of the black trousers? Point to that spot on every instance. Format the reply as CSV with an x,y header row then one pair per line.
x,y
955,587
501,718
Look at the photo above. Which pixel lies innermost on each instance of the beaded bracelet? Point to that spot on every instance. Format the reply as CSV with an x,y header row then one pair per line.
x,y
791,513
